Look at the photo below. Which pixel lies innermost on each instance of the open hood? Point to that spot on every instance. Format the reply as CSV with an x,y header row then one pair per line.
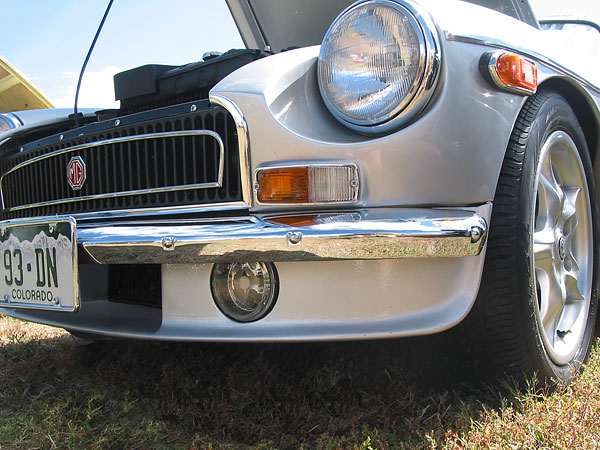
x,y
281,24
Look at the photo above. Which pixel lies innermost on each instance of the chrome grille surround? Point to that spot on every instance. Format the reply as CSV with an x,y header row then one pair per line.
x,y
200,165
126,139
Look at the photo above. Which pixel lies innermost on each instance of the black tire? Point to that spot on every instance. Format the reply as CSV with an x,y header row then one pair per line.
x,y
506,322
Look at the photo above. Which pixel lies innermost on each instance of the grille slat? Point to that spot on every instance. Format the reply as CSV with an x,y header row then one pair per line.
x,y
148,163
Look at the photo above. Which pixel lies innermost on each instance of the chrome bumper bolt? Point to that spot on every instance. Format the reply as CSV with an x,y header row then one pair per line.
x,y
168,243
294,237
476,234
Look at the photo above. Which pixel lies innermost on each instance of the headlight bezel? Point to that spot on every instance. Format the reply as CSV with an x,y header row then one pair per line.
x,y
425,81
11,121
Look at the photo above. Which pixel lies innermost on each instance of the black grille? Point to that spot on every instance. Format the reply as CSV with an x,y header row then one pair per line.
x,y
129,166
154,104
138,284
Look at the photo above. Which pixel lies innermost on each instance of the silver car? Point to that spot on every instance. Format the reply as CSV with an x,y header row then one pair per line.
x,y
372,170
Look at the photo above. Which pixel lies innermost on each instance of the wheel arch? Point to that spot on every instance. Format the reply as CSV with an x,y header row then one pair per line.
x,y
582,104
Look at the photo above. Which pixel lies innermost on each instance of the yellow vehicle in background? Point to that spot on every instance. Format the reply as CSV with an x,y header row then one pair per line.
x,y
17,93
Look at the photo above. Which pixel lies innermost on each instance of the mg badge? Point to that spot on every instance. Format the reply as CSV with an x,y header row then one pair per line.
x,y
76,173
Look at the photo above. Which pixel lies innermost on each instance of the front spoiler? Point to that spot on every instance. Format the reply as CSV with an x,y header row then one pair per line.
x,y
390,233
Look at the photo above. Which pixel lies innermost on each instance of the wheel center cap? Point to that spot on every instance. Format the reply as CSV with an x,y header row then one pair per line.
x,y
562,247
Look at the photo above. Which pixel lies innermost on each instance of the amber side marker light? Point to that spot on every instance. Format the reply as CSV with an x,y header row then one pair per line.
x,y
307,184
512,72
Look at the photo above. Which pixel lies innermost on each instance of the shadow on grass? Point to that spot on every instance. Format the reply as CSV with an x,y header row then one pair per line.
x,y
387,394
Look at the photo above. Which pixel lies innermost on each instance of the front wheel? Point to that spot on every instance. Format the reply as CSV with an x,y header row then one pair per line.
x,y
536,309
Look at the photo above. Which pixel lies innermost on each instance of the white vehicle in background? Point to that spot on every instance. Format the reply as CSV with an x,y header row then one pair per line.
x,y
379,169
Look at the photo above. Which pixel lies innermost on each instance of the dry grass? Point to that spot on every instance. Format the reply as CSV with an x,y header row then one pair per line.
x,y
565,419
57,393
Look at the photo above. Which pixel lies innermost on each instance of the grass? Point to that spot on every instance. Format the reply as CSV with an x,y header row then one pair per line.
x,y
57,393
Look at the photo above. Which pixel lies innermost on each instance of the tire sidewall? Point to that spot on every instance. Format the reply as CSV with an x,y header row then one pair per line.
x,y
553,115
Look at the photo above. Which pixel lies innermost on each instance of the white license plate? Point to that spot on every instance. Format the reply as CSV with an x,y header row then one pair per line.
x,y
38,265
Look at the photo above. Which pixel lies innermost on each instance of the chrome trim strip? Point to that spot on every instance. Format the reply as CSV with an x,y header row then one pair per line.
x,y
243,143
119,140
430,61
181,187
352,166
390,234
493,72
50,221
481,40
143,212
153,212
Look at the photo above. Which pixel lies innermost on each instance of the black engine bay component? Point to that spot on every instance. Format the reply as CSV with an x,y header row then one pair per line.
x,y
155,86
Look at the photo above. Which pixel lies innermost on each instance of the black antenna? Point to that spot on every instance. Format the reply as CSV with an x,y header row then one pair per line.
x,y
87,58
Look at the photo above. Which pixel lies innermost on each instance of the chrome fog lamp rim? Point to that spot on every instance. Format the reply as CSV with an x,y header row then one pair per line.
x,y
425,81
244,291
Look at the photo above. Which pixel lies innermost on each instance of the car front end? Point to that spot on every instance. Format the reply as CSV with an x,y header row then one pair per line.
x,y
266,204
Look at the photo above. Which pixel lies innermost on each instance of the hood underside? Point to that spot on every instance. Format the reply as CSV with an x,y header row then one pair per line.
x,y
283,24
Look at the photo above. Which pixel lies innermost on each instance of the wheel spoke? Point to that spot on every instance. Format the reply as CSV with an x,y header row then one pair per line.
x,y
550,202
573,292
569,210
552,303
542,250
569,314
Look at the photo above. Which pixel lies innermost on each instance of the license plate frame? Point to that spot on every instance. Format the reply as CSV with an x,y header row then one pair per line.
x,y
34,255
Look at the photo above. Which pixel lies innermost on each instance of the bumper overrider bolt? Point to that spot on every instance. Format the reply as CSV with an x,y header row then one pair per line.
x,y
294,237
476,234
168,243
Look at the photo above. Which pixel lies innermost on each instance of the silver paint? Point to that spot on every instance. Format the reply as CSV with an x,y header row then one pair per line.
x,y
434,161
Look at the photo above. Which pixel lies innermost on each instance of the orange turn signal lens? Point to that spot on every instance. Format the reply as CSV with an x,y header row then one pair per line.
x,y
316,183
294,221
286,185
514,72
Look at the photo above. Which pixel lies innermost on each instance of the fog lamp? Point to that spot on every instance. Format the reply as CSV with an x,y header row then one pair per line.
x,y
244,291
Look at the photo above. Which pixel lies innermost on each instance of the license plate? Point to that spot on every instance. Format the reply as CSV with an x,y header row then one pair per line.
x,y
38,265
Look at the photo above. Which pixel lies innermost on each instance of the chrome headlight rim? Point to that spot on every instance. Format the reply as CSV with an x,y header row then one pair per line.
x,y
11,121
424,84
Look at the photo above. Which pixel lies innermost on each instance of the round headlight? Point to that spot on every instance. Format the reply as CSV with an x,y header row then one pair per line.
x,y
378,64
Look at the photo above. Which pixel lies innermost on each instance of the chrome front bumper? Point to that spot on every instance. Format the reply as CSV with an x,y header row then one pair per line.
x,y
386,233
